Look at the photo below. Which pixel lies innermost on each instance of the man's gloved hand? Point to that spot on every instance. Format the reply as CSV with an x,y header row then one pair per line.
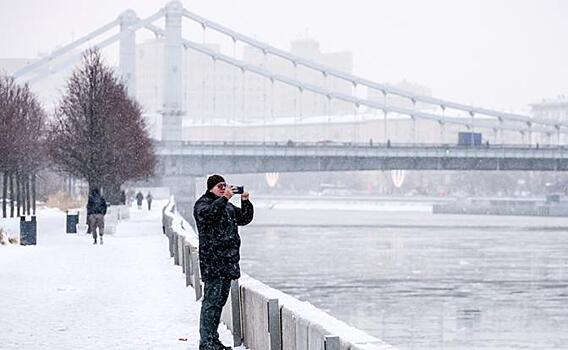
x,y
229,192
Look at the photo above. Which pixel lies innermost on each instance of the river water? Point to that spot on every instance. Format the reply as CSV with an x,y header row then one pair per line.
x,y
474,285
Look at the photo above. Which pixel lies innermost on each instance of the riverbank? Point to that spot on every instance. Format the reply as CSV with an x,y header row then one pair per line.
x,y
349,212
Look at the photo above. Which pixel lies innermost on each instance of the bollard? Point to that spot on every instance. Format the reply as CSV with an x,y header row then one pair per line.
x,y
187,264
72,222
274,325
236,312
196,274
331,342
28,231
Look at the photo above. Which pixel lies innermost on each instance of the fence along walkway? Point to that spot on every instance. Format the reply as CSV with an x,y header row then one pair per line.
x,y
260,317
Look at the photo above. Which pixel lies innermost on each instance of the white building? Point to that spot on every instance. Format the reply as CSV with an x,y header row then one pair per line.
x,y
551,109
215,90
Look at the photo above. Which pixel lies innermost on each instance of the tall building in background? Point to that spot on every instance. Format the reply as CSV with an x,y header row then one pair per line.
x,y
551,109
556,110
214,90
290,101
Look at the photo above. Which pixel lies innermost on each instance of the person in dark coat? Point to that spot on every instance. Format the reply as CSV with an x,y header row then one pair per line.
x,y
217,222
139,199
149,200
96,211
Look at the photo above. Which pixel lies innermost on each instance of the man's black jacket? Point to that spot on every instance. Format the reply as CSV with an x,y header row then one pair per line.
x,y
96,204
219,240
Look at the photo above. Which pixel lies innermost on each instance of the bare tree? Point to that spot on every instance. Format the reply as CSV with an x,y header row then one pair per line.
x,y
22,144
99,134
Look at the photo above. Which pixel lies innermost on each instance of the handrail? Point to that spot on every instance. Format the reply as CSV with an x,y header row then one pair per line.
x,y
336,144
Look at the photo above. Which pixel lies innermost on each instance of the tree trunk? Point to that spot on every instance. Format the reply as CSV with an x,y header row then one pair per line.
x,y
23,193
12,197
4,193
34,193
18,196
28,195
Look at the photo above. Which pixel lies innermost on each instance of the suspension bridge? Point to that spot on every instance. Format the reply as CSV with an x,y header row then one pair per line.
x,y
540,145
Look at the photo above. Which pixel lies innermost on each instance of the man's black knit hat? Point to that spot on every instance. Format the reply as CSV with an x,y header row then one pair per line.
x,y
214,180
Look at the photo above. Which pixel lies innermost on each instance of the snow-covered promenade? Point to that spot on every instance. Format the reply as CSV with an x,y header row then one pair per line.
x,y
66,293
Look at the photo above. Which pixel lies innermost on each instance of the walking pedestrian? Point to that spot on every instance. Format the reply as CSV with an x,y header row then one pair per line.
x,y
149,199
217,222
139,199
96,211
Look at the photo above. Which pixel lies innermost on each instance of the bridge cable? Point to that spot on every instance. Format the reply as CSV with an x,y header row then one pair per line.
x,y
319,91
365,82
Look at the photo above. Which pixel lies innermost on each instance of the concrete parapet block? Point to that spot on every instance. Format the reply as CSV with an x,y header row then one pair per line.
x,y
316,336
227,314
274,324
167,224
196,273
302,333
231,315
176,248
236,317
187,264
288,328
331,342
255,320
170,234
182,253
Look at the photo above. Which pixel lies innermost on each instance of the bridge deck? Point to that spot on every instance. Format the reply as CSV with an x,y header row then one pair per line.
x,y
198,158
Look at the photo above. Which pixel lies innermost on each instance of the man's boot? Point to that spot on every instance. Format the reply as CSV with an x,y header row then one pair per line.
x,y
222,347
101,240
95,241
209,346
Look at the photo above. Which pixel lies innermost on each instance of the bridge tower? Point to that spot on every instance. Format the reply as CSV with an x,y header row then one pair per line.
x,y
127,48
172,110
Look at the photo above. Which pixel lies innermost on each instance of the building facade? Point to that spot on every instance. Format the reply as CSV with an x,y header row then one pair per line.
x,y
214,90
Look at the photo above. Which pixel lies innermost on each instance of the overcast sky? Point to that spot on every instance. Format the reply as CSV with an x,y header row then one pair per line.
x,y
494,53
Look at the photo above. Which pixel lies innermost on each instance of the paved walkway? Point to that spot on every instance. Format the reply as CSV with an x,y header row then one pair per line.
x,y
66,293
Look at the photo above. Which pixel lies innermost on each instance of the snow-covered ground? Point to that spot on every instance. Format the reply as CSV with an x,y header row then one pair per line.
x,y
66,293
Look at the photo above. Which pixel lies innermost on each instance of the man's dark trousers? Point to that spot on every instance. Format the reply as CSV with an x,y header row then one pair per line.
x,y
215,296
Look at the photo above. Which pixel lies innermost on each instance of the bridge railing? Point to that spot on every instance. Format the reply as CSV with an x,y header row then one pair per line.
x,y
329,143
259,316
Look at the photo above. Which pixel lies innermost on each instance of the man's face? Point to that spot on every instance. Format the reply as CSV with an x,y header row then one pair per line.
x,y
219,189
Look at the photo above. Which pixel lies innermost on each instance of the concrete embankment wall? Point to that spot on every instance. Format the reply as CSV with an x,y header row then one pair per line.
x,y
536,210
261,317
